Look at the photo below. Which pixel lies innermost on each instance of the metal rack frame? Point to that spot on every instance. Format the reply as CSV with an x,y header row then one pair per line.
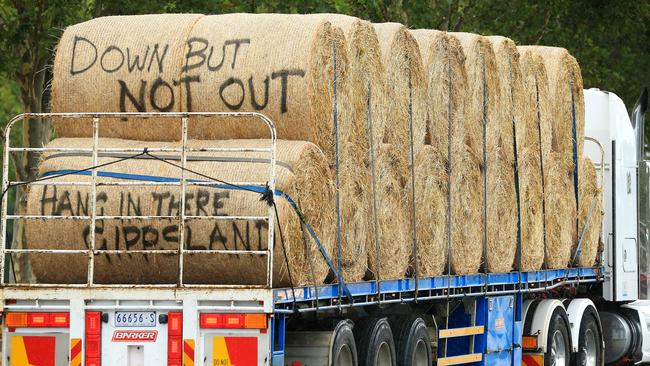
x,y
94,118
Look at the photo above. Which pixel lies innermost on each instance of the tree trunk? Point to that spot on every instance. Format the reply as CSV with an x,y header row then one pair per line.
x,y
36,133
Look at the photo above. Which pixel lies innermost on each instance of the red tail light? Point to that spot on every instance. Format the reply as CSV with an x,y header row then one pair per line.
x,y
93,338
174,338
37,320
248,321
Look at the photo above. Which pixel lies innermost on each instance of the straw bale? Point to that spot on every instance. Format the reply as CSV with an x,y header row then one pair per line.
x,y
486,101
121,63
566,93
431,210
467,209
589,223
561,211
393,216
302,173
531,201
406,88
437,58
536,88
283,68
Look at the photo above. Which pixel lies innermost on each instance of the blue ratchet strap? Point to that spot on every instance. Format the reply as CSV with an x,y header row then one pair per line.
x,y
578,253
252,188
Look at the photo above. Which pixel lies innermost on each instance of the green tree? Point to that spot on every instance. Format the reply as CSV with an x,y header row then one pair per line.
x,y
30,29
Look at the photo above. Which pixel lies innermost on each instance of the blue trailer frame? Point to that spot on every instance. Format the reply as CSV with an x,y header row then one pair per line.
x,y
499,301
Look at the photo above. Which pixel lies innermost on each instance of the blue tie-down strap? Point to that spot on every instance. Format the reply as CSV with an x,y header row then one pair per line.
x,y
261,190
578,252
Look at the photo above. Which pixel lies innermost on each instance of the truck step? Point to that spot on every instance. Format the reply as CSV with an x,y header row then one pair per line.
x,y
459,360
461,332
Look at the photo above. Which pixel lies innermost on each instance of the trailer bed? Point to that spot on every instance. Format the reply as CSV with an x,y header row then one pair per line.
x,y
404,290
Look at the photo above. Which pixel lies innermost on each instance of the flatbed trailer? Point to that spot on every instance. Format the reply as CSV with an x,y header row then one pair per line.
x,y
584,316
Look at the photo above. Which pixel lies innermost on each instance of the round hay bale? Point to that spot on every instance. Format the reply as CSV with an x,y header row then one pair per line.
x,y
406,88
531,201
590,213
485,105
535,82
519,106
467,210
302,173
438,57
431,194
280,65
121,63
566,94
356,215
393,217
560,210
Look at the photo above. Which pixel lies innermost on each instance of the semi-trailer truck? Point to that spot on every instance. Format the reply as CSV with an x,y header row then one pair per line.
x,y
583,316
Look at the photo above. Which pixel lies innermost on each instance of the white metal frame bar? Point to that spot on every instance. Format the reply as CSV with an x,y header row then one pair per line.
x,y
182,184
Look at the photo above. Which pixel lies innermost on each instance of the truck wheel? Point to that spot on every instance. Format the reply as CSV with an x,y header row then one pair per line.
x,y
376,346
344,349
558,343
590,342
412,341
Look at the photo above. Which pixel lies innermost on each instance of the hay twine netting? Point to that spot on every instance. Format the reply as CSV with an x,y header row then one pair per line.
x,y
302,173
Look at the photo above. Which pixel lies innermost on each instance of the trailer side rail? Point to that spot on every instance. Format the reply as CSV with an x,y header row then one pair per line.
x,y
326,297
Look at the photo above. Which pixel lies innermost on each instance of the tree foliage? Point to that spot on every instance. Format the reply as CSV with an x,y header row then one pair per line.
x,y
610,38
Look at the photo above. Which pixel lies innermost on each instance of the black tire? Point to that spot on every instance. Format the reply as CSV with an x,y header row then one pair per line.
x,y
590,342
375,344
344,349
412,341
558,327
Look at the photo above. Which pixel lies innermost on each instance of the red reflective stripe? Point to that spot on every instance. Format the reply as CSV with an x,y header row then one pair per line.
x,y
189,351
76,349
529,360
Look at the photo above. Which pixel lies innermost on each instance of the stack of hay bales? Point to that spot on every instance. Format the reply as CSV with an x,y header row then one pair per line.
x,y
302,173
417,129
361,111
443,59
403,107
533,124
565,107
226,67
366,82
484,110
518,106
